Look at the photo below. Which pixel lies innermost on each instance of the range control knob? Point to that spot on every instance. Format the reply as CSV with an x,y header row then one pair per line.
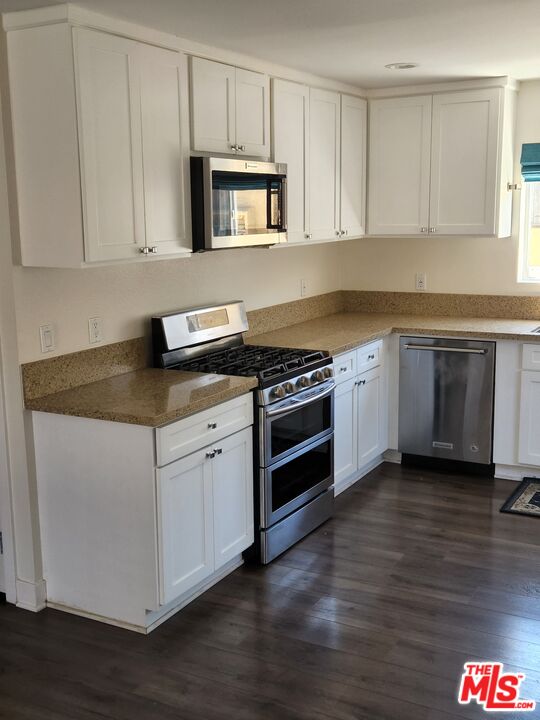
x,y
317,377
288,387
328,372
278,392
302,382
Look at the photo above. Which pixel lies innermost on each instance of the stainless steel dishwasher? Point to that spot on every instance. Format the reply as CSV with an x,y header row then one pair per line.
x,y
446,398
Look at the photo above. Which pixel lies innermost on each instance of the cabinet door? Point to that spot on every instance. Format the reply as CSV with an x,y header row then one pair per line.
x,y
464,162
345,433
232,470
371,416
253,113
165,141
185,524
529,419
291,136
399,165
353,165
212,106
324,164
110,145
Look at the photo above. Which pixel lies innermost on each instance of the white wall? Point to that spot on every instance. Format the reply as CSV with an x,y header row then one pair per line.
x,y
126,295
453,265
18,504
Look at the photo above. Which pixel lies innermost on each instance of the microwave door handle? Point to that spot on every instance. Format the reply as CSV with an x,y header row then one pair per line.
x,y
284,205
293,404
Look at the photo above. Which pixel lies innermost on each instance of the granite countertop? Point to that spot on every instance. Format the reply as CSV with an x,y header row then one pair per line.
x,y
345,331
150,397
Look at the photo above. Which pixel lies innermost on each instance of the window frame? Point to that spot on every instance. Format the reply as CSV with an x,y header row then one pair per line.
x,y
527,273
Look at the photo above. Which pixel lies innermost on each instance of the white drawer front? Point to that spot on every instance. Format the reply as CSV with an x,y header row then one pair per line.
x,y
196,431
345,366
531,357
369,356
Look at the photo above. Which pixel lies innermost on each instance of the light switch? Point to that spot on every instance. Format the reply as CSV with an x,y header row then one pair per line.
x,y
48,340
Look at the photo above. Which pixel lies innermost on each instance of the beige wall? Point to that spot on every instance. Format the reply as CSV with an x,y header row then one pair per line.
x,y
125,295
453,265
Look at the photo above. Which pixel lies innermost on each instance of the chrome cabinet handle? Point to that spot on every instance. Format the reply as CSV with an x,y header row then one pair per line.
x,y
371,357
360,382
153,250
235,147
432,229
423,229
343,369
242,148
218,451
308,236
144,250
212,425
211,454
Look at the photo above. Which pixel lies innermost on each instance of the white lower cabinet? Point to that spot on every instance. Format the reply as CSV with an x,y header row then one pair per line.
x,y
371,416
205,512
516,433
130,543
185,519
529,419
345,438
361,414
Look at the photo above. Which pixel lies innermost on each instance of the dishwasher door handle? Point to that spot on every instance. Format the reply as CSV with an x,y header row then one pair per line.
x,y
441,348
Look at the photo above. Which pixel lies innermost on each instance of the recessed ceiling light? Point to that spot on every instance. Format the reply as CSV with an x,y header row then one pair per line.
x,y
401,66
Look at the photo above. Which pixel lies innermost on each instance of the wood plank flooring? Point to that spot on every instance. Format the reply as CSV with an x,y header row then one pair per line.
x,y
369,618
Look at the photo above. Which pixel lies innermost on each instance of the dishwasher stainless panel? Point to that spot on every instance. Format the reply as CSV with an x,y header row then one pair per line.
x,y
446,398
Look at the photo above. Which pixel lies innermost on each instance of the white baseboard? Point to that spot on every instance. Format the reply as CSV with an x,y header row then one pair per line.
x,y
31,596
515,472
155,618
348,482
392,456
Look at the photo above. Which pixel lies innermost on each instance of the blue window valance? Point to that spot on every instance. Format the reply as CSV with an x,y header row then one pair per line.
x,y
530,162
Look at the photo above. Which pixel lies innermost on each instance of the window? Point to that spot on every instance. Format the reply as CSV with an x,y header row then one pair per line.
x,y
530,233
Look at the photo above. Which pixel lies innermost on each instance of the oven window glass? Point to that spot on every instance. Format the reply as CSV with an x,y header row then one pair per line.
x,y
246,204
300,425
303,473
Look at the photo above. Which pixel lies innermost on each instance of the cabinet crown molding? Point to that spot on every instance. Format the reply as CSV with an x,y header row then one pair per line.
x,y
502,81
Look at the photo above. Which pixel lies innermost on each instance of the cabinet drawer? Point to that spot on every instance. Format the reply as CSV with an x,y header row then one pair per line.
x,y
369,356
196,431
345,366
531,357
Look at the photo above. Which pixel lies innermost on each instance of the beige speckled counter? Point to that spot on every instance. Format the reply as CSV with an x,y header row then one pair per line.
x,y
346,330
148,397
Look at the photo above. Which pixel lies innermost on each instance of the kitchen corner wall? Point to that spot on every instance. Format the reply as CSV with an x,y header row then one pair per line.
x,y
125,295
455,264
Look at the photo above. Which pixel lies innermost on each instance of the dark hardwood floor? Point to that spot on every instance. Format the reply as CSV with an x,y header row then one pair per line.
x,y
369,618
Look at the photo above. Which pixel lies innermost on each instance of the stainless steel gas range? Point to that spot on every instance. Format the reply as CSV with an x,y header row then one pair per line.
x,y
294,416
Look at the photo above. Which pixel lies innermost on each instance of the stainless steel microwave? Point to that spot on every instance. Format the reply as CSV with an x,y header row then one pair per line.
x,y
237,203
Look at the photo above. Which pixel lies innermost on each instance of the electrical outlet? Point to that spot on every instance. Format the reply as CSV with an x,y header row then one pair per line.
x,y
95,330
421,281
47,337
303,288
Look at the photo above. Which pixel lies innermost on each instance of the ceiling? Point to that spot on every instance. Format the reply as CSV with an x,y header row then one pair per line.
x,y
352,40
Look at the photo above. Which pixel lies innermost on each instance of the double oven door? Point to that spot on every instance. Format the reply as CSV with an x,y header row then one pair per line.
x,y
296,451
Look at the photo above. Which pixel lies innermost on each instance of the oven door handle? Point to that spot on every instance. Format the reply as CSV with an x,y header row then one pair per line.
x,y
295,404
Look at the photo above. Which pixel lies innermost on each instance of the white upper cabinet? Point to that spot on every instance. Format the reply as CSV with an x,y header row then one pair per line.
x,y
110,144
353,166
165,146
230,109
465,136
213,106
101,138
441,164
399,166
290,120
324,164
